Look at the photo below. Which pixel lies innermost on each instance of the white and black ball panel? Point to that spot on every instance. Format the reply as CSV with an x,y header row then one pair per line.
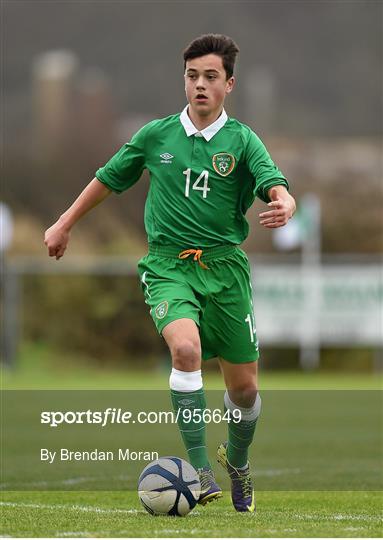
x,y
189,474
169,485
183,506
165,462
159,503
150,480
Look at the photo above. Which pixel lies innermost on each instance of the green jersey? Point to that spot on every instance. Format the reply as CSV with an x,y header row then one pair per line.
x,y
201,182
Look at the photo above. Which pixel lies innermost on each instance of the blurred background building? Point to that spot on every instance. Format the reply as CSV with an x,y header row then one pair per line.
x,y
79,78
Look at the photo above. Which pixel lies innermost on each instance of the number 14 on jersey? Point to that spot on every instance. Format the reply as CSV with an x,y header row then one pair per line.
x,y
203,177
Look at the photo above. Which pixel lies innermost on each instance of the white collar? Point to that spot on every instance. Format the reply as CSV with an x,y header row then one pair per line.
x,y
209,131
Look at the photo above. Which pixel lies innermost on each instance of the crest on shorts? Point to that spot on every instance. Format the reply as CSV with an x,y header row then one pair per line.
x,y
223,163
161,310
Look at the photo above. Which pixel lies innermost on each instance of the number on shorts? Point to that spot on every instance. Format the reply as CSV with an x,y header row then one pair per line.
x,y
250,322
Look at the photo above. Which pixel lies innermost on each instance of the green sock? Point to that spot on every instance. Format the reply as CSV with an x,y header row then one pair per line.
x,y
193,431
241,436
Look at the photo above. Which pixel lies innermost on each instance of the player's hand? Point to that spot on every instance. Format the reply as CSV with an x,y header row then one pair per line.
x,y
56,239
281,211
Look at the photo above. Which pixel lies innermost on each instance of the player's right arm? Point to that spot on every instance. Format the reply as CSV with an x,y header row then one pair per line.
x,y
118,174
57,236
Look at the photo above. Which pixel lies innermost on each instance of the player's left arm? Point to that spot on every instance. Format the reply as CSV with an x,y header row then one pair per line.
x,y
282,207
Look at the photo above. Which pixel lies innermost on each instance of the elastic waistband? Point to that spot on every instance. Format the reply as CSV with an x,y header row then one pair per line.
x,y
208,254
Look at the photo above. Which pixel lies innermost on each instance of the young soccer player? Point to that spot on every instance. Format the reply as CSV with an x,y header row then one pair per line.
x,y
205,171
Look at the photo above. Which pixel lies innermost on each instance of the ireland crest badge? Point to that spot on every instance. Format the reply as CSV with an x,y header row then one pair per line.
x,y
161,310
223,163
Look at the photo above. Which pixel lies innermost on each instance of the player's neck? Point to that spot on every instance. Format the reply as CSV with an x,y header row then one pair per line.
x,y
202,122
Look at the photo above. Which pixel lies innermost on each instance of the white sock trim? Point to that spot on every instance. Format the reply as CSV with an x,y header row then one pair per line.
x,y
185,381
247,414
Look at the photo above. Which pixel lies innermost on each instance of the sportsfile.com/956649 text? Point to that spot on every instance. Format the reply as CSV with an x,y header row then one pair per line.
x,y
113,415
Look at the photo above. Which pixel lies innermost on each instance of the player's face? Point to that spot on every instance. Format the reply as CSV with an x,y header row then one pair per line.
x,y
206,85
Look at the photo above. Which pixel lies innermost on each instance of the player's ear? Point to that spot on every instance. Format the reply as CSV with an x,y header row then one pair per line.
x,y
230,85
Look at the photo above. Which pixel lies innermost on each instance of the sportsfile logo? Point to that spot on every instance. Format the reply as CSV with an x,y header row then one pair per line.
x,y
166,158
114,415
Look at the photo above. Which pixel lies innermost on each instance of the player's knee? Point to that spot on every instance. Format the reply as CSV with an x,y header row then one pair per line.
x,y
244,395
186,355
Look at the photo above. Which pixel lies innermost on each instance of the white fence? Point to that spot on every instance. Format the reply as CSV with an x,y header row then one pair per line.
x,y
337,305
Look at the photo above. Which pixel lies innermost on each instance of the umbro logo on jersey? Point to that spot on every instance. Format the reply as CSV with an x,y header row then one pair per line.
x,y
166,157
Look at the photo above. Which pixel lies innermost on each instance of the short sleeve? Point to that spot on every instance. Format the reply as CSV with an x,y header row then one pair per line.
x,y
124,169
265,173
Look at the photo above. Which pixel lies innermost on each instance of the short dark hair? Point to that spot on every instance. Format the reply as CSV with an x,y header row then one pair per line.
x,y
218,44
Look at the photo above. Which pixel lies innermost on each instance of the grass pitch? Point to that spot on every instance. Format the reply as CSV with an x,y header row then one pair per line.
x,y
119,514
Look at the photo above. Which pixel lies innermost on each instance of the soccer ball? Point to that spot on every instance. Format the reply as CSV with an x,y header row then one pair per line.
x,y
169,486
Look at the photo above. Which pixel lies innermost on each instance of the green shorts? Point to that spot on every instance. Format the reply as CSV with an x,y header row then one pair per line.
x,y
219,298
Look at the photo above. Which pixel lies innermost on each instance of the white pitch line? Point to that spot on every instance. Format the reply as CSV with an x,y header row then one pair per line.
x,y
70,534
356,517
336,517
66,481
187,532
276,472
74,507
125,478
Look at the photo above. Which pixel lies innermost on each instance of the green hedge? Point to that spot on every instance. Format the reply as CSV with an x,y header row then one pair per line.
x,y
101,317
